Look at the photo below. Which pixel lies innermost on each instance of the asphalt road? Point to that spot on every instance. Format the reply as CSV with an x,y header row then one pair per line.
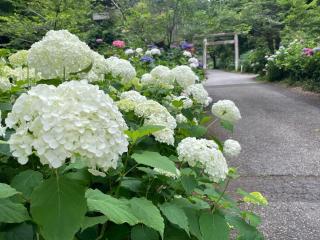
x,y
280,137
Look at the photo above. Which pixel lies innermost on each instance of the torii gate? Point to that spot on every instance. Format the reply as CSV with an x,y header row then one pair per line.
x,y
234,41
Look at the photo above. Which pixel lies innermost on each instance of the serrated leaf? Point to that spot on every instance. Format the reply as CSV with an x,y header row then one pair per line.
x,y
189,183
177,103
26,181
246,231
148,214
175,215
141,232
253,197
155,160
7,191
92,221
213,226
132,184
193,221
58,206
227,125
11,212
117,210
143,131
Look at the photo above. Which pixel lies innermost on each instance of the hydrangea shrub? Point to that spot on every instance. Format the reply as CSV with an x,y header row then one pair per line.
x,y
100,148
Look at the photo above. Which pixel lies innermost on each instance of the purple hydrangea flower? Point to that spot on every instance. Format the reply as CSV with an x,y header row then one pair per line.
x,y
185,45
308,51
146,59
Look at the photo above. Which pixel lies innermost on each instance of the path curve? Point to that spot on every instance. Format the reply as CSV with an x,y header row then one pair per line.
x,y
280,136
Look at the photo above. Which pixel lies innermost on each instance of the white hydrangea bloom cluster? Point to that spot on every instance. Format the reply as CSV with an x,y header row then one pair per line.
x,y
19,59
226,110
198,93
133,96
5,84
187,54
184,76
2,128
129,51
58,54
156,114
73,119
98,70
155,51
180,118
139,51
168,174
160,76
121,68
206,153
25,73
193,62
129,100
231,148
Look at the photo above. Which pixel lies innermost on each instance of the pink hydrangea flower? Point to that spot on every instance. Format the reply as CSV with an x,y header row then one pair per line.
x,y
118,44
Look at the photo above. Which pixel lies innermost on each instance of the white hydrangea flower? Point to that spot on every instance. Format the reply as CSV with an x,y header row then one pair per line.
x,y
193,60
155,51
231,148
133,96
204,152
121,68
148,53
129,51
5,84
162,75
20,73
126,105
194,65
146,79
184,76
187,54
168,174
19,59
156,114
198,93
180,118
2,128
139,51
98,70
58,54
71,120
226,110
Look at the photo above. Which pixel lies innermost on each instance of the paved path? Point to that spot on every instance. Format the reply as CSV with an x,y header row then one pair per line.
x,y
280,136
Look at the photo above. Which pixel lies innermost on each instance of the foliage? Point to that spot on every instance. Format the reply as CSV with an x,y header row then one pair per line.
x,y
153,192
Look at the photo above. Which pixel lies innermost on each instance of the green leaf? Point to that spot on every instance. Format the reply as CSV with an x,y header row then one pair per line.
x,y
5,149
141,232
177,103
193,221
227,125
143,131
213,226
246,231
132,184
22,231
189,183
92,221
253,197
26,181
148,214
154,159
7,191
5,106
252,218
58,206
117,210
11,212
175,215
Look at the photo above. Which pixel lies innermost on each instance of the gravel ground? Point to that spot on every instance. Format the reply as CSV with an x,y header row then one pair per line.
x,y
280,137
